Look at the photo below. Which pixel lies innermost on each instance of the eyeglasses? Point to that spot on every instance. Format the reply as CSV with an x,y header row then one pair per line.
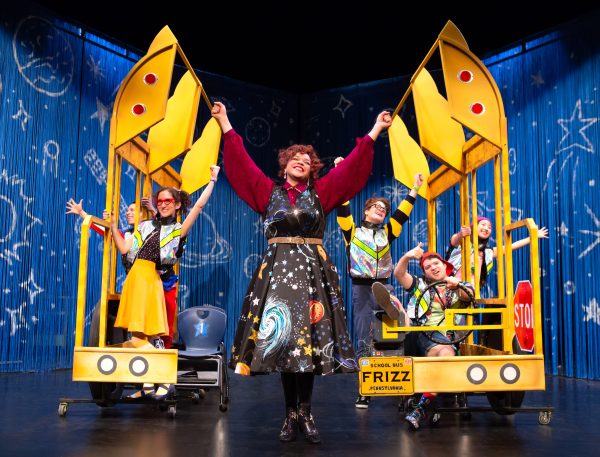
x,y
165,202
380,207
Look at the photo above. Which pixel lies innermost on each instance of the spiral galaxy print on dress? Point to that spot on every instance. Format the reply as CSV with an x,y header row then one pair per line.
x,y
275,327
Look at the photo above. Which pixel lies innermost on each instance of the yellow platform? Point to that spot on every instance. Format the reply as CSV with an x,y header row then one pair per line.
x,y
123,365
452,374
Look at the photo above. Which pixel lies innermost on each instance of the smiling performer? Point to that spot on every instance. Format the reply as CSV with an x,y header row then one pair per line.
x,y
293,317
447,295
146,309
370,260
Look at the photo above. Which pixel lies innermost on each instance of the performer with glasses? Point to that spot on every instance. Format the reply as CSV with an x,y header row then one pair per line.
x,y
370,261
147,306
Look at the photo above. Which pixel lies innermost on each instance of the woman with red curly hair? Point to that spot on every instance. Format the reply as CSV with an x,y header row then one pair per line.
x,y
293,316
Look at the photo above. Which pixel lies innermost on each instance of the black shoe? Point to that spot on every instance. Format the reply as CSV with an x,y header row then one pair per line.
x,y
384,299
307,424
289,431
362,402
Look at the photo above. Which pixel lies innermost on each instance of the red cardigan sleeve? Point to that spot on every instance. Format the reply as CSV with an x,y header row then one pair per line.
x,y
346,180
246,179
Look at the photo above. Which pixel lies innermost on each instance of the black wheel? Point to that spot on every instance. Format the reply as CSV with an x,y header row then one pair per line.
x,y
224,395
500,401
223,400
423,307
105,393
461,402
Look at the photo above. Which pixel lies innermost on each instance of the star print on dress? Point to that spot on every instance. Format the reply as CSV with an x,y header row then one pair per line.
x,y
297,319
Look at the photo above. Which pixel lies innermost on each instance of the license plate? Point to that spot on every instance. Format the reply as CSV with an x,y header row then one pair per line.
x,y
385,376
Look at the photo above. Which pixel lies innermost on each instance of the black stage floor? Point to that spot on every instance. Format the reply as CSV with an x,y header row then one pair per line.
x,y
30,424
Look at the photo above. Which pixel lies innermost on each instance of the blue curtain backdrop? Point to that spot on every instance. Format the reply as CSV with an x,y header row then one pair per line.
x,y
57,87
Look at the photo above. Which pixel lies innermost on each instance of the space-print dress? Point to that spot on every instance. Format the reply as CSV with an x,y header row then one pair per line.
x,y
293,315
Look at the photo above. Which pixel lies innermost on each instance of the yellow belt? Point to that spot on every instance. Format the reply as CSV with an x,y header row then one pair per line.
x,y
294,240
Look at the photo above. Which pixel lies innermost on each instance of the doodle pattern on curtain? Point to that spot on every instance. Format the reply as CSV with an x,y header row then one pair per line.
x,y
57,87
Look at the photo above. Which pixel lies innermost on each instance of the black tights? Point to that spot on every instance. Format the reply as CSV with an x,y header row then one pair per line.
x,y
297,388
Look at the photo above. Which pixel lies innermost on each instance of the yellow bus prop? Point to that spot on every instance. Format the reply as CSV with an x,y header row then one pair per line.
x,y
473,102
143,106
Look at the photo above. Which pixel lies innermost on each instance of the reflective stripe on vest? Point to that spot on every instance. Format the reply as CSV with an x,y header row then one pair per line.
x,y
370,251
169,237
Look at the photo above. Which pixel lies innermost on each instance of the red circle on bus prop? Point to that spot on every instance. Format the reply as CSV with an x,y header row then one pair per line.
x,y
138,109
477,108
465,76
150,78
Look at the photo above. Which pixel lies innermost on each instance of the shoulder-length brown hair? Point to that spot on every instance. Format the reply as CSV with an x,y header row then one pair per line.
x,y
286,154
180,196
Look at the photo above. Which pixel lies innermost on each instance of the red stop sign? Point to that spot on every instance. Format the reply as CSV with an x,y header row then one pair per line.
x,y
523,305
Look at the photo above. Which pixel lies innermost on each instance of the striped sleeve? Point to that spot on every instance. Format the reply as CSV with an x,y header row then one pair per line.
x,y
345,221
394,227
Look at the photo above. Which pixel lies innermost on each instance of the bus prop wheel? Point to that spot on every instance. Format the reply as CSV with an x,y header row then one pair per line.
x,y
500,401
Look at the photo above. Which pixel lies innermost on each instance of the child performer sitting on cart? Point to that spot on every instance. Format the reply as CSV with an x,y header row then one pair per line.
x,y
435,268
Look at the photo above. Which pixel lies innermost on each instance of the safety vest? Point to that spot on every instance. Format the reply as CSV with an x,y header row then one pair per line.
x,y
369,254
170,240
429,300
455,258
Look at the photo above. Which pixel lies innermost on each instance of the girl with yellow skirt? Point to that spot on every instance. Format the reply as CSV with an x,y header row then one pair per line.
x,y
156,245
